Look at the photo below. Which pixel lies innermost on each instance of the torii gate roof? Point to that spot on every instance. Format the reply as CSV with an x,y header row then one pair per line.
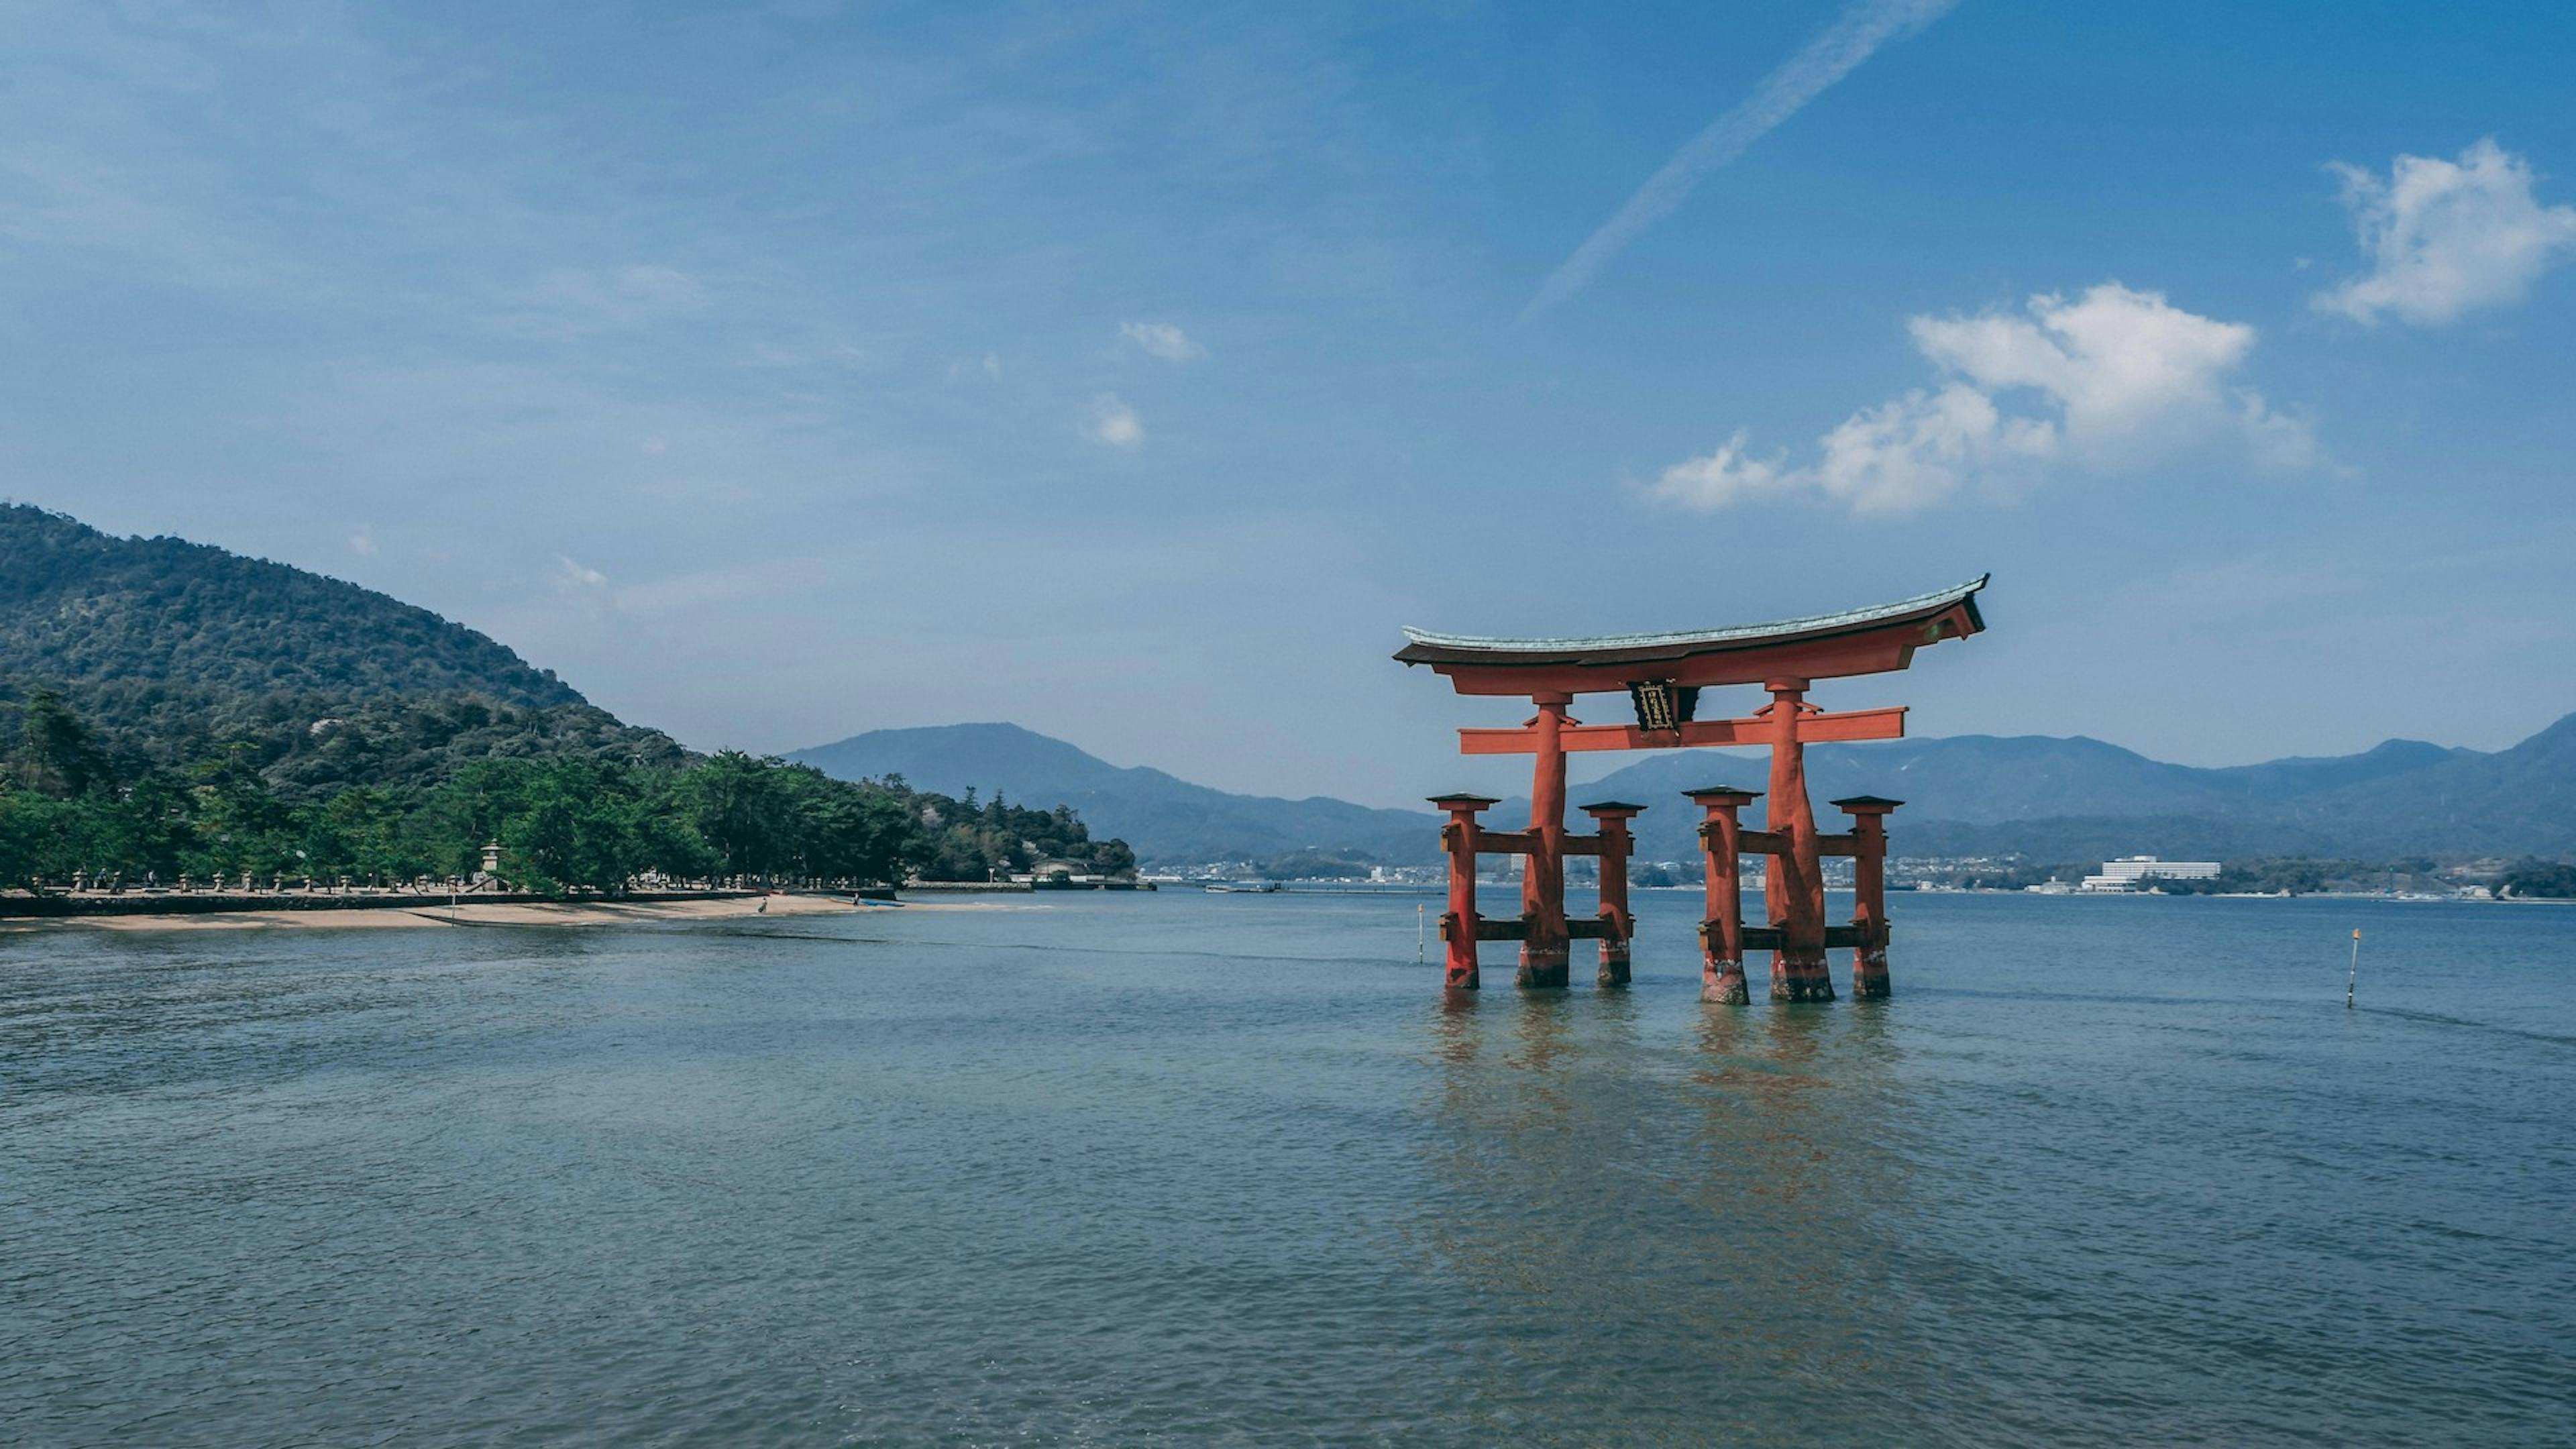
x,y
1857,641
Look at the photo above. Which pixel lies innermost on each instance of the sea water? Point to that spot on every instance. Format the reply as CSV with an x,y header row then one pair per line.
x,y
1188,1169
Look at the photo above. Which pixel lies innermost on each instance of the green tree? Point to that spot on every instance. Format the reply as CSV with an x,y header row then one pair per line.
x,y
838,830
735,806
360,833
56,754
240,823
2539,879
576,825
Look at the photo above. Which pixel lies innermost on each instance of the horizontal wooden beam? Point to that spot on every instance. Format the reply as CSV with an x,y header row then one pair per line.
x,y
1767,938
1592,928
1772,842
1857,724
1522,842
1516,928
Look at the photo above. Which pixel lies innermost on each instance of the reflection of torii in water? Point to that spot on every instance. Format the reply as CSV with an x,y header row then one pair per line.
x,y
1663,674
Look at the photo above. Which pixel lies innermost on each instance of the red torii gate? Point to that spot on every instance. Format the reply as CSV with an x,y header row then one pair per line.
x,y
1663,674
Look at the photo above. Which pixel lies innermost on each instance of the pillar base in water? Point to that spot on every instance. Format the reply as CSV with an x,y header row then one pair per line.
x,y
1869,976
1800,978
1614,970
1543,970
1463,981
1727,987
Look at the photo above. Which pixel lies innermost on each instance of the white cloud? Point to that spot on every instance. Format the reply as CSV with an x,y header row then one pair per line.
x,y
1113,422
1722,478
2110,382
2447,237
1163,340
571,575
364,540
990,365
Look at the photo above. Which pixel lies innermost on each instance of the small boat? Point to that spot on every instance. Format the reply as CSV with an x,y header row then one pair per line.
x,y
1244,887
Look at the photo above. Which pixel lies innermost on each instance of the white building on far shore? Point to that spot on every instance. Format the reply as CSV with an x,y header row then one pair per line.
x,y
2138,871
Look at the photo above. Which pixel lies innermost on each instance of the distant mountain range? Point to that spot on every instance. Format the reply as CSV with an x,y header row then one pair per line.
x,y
1184,822
2058,800
2074,800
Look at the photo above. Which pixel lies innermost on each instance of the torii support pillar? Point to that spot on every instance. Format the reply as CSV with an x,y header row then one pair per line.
x,y
1617,925
1793,886
1869,893
1458,927
1721,930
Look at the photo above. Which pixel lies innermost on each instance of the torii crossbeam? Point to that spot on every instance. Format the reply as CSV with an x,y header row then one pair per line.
x,y
1663,675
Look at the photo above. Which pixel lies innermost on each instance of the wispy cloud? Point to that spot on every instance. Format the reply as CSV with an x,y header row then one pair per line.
x,y
2447,237
573,302
1163,340
2113,381
1852,38
1113,423
572,575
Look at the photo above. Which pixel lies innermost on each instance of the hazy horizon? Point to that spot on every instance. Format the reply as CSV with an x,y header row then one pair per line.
x,y
1580,768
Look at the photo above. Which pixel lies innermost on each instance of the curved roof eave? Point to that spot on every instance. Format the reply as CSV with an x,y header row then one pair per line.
x,y
1424,646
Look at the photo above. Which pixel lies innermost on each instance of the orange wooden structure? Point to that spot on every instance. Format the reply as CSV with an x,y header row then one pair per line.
x,y
1663,676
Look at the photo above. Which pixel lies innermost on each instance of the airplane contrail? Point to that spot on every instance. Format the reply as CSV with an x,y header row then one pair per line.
x,y
1851,39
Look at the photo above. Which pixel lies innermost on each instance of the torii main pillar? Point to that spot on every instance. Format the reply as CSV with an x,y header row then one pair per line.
x,y
1794,887
1663,676
1546,954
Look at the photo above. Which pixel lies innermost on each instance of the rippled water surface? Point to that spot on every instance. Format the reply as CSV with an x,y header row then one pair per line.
x,y
1188,1168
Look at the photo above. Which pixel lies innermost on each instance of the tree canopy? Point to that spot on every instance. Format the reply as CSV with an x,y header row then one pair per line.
x,y
563,823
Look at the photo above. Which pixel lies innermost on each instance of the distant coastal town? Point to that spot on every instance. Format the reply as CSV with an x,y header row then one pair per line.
x,y
2415,879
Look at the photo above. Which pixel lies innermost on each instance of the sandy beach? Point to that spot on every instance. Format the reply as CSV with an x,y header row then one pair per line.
x,y
443,917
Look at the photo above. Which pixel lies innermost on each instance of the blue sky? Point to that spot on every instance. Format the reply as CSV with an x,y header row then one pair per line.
x,y
779,371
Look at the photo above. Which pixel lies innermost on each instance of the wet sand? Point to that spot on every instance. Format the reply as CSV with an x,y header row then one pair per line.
x,y
441,916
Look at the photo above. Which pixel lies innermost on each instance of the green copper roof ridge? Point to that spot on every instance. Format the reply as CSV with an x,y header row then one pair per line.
x,y
1816,624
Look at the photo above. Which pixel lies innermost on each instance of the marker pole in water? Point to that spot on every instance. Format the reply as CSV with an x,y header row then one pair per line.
x,y
2349,982
1418,933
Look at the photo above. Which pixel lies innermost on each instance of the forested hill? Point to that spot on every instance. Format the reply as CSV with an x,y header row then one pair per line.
x,y
83,611
169,650
169,709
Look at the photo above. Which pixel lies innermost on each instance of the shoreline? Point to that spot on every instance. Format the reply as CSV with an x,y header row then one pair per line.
x,y
427,916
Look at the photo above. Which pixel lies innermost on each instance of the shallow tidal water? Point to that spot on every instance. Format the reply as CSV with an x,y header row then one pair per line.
x,y
1185,1169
